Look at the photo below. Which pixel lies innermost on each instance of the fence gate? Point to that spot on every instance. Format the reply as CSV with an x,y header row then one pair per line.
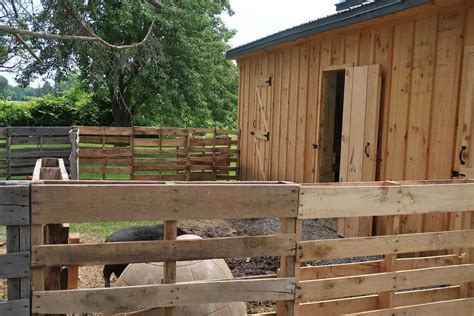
x,y
15,264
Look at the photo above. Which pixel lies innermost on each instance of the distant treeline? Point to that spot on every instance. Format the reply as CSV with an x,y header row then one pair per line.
x,y
17,93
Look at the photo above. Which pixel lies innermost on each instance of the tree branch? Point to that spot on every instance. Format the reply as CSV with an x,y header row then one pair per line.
x,y
74,38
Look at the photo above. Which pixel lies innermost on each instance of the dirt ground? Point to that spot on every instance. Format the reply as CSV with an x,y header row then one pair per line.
x,y
91,277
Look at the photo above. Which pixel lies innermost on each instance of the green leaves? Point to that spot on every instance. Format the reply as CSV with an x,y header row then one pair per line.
x,y
178,77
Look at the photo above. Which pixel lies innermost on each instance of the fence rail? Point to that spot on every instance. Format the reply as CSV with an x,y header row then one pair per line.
x,y
148,153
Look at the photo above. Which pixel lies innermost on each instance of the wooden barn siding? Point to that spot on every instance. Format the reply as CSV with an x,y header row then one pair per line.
x,y
421,60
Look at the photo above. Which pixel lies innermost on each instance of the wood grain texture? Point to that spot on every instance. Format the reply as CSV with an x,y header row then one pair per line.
x,y
382,282
158,251
383,245
126,299
94,203
461,307
326,202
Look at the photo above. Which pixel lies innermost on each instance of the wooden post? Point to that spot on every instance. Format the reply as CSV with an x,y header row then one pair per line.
x,y
74,157
73,271
389,264
8,153
132,149
37,273
188,156
169,273
289,266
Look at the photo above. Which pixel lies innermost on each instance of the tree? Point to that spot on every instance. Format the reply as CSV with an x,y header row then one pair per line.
x,y
3,87
162,63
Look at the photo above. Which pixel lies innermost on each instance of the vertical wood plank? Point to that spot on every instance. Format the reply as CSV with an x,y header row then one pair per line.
x,y
276,113
389,263
292,113
419,117
351,53
268,116
311,144
252,119
37,273
169,273
285,104
443,119
302,113
399,100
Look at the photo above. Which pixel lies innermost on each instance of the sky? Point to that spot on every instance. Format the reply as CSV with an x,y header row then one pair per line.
x,y
254,19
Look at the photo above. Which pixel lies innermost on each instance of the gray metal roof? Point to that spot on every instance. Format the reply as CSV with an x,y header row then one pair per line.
x,y
341,19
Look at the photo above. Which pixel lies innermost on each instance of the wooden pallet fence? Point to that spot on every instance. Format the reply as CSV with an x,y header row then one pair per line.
x,y
56,202
156,154
64,276
387,282
359,276
15,264
21,147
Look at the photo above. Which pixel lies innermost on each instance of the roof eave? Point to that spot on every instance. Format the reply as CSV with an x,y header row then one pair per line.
x,y
361,14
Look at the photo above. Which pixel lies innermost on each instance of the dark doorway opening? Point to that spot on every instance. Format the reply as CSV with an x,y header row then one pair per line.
x,y
331,134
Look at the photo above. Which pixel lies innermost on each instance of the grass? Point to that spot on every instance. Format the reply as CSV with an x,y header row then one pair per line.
x,y
100,231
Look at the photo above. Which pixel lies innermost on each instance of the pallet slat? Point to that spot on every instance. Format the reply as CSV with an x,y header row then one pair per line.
x,y
459,307
143,297
15,307
15,265
326,289
160,251
383,245
325,201
55,204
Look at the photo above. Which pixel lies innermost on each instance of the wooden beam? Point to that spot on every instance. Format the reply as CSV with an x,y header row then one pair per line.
x,y
127,299
460,307
366,284
392,244
365,303
165,250
76,203
349,201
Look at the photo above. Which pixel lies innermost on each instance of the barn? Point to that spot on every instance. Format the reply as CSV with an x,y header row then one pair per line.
x,y
381,90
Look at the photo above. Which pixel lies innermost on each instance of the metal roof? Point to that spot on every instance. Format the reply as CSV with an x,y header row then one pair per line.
x,y
341,19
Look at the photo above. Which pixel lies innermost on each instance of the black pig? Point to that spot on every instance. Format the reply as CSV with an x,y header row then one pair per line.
x,y
132,233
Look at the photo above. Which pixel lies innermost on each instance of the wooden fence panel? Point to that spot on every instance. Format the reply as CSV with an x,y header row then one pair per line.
x,y
155,154
386,281
15,265
20,147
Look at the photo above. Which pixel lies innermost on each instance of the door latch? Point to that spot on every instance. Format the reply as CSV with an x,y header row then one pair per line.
x,y
269,81
267,136
456,174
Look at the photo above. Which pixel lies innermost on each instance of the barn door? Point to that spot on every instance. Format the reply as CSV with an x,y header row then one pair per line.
x,y
466,143
260,125
360,127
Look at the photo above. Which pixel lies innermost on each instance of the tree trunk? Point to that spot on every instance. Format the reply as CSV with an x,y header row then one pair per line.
x,y
121,116
121,113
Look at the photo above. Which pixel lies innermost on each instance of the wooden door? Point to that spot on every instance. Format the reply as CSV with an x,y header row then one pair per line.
x,y
360,128
466,127
261,128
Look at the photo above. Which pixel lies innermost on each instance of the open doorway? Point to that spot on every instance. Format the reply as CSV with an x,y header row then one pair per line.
x,y
332,97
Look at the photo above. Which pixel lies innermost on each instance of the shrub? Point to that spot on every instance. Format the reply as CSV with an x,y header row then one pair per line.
x,y
15,114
